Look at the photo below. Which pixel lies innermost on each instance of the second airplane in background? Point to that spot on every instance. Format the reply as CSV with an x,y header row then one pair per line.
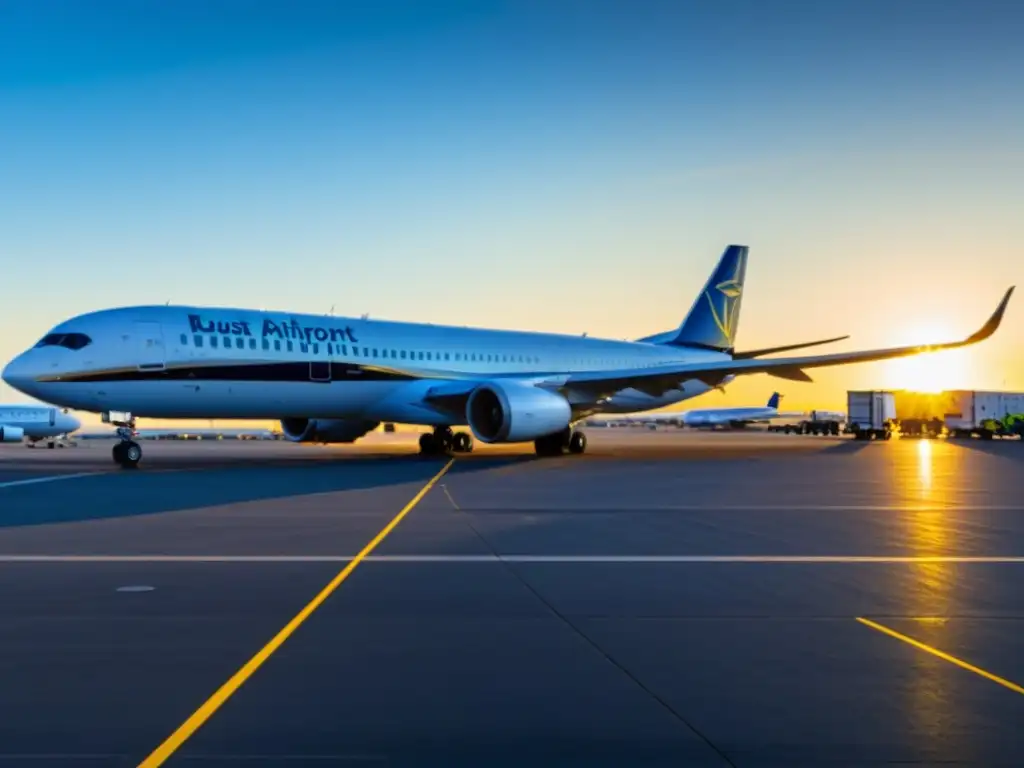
x,y
333,379
35,423
732,417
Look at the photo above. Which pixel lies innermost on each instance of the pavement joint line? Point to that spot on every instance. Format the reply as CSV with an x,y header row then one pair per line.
x,y
444,487
940,654
209,707
590,641
499,558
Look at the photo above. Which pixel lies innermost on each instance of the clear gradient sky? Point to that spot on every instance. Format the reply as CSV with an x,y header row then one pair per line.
x,y
568,166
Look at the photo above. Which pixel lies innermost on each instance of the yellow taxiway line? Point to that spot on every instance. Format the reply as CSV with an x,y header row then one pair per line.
x,y
941,654
212,704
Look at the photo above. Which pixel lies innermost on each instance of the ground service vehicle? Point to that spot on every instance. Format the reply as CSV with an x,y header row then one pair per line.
x,y
871,414
814,423
985,414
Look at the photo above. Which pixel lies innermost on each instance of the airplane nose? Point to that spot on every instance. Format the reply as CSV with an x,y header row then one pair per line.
x,y
11,373
17,374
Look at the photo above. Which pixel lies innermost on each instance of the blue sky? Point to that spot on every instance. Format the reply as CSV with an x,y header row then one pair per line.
x,y
572,166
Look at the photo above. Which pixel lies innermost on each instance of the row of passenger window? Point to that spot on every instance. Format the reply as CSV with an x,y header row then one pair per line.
x,y
288,345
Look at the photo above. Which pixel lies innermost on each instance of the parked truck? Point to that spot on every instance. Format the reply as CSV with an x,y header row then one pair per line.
x,y
812,423
984,414
871,414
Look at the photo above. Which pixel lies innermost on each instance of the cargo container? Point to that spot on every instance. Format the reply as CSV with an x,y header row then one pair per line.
x,y
985,414
870,414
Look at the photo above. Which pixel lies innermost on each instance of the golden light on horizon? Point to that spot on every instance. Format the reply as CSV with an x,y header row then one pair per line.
x,y
930,372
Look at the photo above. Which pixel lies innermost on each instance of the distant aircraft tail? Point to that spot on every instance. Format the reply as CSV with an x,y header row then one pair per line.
x,y
773,401
714,317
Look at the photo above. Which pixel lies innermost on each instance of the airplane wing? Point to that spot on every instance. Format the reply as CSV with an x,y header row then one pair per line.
x,y
661,379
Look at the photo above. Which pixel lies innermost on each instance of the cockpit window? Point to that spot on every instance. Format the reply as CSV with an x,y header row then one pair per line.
x,y
66,340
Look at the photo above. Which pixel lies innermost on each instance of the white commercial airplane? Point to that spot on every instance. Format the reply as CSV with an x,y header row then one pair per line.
x,y
333,379
35,423
708,417
715,417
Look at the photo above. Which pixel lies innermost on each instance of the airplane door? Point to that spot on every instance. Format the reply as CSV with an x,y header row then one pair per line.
x,y
320,370
150,342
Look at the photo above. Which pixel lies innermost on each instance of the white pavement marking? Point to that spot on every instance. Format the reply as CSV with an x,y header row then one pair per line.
x,y
625,559
713,507
48,479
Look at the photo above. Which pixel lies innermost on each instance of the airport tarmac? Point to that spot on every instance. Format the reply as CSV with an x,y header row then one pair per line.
x,y
667,599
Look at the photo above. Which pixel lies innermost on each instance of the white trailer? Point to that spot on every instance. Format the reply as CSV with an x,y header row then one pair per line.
x,y
985,414
870,414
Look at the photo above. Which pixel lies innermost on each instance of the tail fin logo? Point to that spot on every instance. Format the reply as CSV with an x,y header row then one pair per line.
x,y
731,290
714,318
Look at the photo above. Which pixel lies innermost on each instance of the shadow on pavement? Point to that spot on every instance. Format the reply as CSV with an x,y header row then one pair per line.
x,y
1009,448
134,493
848,446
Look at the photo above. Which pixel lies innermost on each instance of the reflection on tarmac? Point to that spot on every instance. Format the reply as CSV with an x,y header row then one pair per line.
x,y
930,709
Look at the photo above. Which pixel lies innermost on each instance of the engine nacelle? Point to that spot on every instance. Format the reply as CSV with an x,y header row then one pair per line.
x,y
500,412
11,434
325,430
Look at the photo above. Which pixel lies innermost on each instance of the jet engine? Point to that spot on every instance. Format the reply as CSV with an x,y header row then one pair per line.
x,y
11,434
510,412
325,430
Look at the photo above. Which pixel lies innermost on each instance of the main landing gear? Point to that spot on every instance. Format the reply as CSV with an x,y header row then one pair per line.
x,y
442,440
126,452
569,440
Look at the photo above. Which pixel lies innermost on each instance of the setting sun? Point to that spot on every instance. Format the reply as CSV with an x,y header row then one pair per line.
x,y
929,372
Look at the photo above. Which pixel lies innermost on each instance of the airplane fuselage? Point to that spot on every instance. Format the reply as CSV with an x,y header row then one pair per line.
x,y
197,362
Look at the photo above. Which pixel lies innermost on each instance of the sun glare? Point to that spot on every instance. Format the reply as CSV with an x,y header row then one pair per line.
x,y
929,372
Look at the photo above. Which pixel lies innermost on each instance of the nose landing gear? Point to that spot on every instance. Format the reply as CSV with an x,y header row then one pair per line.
x,y
127,452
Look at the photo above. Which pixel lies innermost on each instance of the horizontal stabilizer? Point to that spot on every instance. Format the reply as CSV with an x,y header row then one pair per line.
x,y
791,374
750,354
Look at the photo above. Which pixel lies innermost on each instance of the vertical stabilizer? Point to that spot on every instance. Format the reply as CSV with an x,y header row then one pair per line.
x,y
773,401
715,315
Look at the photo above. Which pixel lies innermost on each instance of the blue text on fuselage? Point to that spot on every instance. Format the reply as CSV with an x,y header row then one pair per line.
x,y
291,329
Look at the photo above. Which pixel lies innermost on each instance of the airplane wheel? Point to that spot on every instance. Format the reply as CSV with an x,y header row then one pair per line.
x,y
462,443
428,447
550,445
128,454
577,443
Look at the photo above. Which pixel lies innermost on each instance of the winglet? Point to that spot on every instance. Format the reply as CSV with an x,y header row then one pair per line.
x,y
993,322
